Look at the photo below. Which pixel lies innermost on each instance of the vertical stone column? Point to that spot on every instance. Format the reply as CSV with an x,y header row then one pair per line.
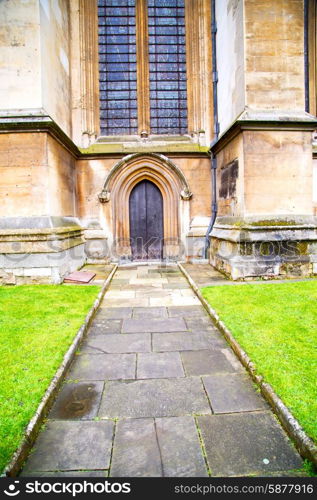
x,y
85,71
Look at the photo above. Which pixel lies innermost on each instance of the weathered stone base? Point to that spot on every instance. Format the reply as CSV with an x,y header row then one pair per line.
x,y
195,240
39,249
254,247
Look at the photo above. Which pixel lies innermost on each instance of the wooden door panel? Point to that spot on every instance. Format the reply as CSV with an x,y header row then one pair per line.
x,y
146,221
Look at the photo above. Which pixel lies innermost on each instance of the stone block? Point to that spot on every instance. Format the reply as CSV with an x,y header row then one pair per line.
x,y
181,341
232,393
123,343
149,312
180,447
153,325
77,401
64,445
135,450
103,367
205,362
113,313
159,365
237,445
154,398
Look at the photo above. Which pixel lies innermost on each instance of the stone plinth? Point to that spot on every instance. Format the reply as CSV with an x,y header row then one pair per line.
x,y
273,247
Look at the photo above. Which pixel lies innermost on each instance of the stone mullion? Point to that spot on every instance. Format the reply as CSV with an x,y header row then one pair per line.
x,y
198,63
143,78
312,51
191,63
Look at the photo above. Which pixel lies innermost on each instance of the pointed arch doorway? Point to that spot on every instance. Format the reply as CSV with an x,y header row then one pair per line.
x,y
146,221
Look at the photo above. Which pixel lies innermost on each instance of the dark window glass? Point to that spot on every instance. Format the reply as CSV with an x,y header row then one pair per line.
x,y
117,61
167,66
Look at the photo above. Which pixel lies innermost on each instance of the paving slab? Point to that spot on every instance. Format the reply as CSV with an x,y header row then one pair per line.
x,y
159,365
187,293
145,280
146,275
105,326
135,450
119,294
173,272
149,312
77,401
72,473
171,286
154,398
103,367
196,323
119,281
217,341
65,445
186,311
124,343
137,302
205,362
113,313
154,293
246,443
180,447
179,341
232,393
153,325
233,360
174,300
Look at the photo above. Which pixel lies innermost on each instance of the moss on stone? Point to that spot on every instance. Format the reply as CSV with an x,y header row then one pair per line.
x,y
274,222
125,148
302,248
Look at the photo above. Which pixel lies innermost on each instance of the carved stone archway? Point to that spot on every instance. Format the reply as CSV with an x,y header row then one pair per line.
x,y
131,170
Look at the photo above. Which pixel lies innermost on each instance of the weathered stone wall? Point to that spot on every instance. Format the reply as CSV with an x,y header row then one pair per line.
x,y
23,173
91,175
35,59
37,176
55,61
230,183
230,58
274,48
277,172
193,215
20,57
62,198
315,185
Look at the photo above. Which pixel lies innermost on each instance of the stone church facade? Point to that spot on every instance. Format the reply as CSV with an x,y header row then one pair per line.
x,y
157,129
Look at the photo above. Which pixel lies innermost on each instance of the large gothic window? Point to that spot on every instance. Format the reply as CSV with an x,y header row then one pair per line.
x,y
142,67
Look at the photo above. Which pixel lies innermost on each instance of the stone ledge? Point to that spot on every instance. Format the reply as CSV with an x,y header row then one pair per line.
x,y
261,120
305,445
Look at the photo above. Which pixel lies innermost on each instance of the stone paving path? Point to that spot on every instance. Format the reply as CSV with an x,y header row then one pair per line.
x,y
156,391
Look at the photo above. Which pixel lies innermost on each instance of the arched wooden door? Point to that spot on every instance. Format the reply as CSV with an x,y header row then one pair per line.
x,y
146,221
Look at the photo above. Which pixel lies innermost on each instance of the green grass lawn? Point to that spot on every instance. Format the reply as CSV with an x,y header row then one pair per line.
x,y
37,325
276,324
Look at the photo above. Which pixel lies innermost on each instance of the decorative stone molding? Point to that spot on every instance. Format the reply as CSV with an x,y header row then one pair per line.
x,y
85,71
104,196
131,170
185,192
198,60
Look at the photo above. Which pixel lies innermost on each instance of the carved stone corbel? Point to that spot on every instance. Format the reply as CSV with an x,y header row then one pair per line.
x,y
104,196
186,194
